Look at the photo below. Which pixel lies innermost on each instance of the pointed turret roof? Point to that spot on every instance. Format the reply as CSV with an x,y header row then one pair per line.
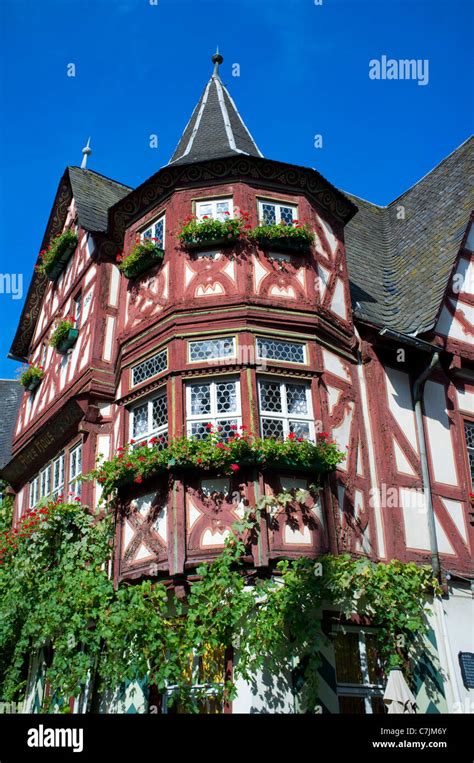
x,y
216,128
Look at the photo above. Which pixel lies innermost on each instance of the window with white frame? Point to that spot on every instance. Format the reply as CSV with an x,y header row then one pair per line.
x,y
212,349
150,419
156,232
205,678
45,481
219,209
58,475
359,675
273,213
75,470
280,349
77,309
34,492
469,431
285,408
150,367
215,403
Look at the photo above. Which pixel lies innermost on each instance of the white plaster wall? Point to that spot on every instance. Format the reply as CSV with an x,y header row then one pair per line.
x,y
459,614
265,694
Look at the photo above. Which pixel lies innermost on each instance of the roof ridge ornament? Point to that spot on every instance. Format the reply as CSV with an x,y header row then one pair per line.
x,y
86,151
216,59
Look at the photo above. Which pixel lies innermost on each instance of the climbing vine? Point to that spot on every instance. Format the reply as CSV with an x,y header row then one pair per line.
x,y
56,594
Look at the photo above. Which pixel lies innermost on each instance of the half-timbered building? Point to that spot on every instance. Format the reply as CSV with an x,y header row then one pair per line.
x,y
368,336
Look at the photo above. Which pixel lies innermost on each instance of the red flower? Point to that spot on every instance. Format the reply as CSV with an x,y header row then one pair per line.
x,y
292,436
209,426
324,434
132,442
235,467
138,479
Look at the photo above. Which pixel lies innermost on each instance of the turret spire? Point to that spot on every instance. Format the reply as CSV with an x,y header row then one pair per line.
x,y
216,128
86,151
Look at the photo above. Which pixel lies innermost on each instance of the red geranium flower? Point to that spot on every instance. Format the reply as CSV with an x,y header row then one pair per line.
x,y
235,467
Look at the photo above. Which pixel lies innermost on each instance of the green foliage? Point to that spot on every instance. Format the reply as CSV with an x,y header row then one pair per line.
x,y
31,373
281,232
208,229
144,254
55,591
61,331
58,247
6,509
136,463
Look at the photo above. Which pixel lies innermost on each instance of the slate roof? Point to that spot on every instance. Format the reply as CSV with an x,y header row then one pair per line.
x,y
94,194
216,128
10,396
399,268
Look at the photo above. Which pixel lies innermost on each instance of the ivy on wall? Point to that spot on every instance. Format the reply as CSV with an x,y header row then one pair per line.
x,y
55,590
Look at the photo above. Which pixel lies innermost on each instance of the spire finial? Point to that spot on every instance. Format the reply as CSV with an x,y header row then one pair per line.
x,y
216,60
86,151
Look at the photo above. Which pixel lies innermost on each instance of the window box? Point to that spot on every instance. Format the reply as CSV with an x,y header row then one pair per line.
x,y
54,259
144,256
31,377
64,335
283,237
68,341
209,232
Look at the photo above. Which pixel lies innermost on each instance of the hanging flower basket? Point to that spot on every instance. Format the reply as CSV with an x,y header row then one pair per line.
x,y
143,256
208,232
284,238
64,336
54,259
31,377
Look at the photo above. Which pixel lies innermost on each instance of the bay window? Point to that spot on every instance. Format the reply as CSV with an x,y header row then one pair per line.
x,y
150,419
215,403
285,408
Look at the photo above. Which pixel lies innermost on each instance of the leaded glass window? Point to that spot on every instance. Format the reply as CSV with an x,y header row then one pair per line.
x,y
150,367
285,407
150,420
212,349
58,475
219,209
469,430
273,213
213,403
156,232
280,349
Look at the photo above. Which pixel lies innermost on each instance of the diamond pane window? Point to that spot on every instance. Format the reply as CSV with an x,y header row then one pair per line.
x,y
212,349
219,209
150,419
272,213
469,430
150,367
284,408
156,232
210,403
278,349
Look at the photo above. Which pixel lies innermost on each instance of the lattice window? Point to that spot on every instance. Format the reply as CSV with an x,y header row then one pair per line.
x,y
360,680
45,481
212,349
75,470
280,349
149,420
272,213
215,403
469,430
156,232
285,407
150,367
34,492
219,209
58,475
204,677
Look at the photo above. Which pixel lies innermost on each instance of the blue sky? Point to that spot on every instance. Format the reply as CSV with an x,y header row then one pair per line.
x,y
140,68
